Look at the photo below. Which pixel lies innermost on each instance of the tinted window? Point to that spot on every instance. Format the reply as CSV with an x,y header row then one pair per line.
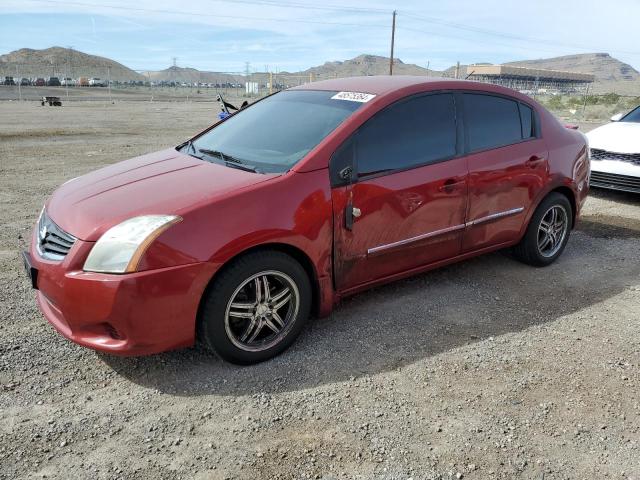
x,y
277,132
526,117
491,121
410,133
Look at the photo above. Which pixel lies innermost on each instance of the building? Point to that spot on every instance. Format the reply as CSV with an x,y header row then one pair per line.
x,y
531,80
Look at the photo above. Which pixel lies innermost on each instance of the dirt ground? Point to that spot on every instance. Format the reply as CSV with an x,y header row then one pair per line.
x,y
484,369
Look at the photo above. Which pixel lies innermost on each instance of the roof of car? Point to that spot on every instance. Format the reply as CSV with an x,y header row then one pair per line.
x,y
381,84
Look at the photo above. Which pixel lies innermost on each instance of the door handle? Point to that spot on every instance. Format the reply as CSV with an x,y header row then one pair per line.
x,y
533,161
450,185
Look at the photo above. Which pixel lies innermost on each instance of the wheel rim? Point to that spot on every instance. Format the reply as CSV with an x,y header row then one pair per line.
x,y
552,231
261,311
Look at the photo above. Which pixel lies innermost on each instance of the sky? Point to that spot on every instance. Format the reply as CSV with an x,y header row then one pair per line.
x,y
292,35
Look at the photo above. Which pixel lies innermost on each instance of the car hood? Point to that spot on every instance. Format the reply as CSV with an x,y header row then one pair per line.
x,y
165,182
619,137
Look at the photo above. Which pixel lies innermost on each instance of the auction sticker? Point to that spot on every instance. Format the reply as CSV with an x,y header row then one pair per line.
x,y
353,96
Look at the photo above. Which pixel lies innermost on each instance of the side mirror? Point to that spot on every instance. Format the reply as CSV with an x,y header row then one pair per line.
x,y
616,117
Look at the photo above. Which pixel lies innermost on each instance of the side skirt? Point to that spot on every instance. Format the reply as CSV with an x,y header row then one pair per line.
x,y
421,269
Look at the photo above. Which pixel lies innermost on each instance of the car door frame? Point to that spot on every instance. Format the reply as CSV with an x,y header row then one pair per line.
x,y
499,216
343,176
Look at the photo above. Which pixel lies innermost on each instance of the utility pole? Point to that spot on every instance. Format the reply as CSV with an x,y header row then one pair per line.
x,y
584,104
174,74
19,81
109,82
66,80
458,69
428,62
247,69
393,39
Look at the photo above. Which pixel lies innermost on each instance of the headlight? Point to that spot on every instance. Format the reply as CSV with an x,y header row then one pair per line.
x,y
120,248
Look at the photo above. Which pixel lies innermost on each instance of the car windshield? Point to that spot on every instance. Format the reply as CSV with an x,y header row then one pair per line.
x,y
632,116
274,134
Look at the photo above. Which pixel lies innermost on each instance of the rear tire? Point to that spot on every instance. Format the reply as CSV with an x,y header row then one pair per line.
x,y
255,308
547,233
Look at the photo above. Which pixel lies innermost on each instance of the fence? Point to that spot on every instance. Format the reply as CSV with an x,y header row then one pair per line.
x,y
32,81
109,83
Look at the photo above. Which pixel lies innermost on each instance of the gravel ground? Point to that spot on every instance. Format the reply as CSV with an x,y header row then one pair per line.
x,y
484,369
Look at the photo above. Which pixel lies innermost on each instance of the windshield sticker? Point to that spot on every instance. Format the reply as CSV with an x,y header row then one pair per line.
x,y
353,96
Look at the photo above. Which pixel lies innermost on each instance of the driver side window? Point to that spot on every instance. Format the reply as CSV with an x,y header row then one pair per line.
x,y
411,133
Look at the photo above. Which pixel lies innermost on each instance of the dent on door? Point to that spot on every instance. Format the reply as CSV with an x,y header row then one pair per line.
x,y
407,219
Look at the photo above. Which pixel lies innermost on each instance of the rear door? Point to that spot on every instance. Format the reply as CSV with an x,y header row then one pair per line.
x,y
508,167
404,204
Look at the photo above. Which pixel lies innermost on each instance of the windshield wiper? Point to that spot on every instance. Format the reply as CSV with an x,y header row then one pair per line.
x,y
229,160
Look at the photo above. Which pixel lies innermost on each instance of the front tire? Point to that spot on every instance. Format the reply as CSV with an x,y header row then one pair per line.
x,y
256,307
547,233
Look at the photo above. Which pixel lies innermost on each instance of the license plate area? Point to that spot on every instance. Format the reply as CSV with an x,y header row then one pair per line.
x,y
32,272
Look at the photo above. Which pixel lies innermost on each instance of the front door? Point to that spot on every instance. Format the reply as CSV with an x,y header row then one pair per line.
x,y
406,203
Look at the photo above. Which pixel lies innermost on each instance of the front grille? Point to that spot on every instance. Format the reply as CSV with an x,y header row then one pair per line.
x,y
614,181
597,154
53,242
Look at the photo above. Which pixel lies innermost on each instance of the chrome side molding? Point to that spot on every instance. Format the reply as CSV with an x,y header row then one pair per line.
x,y
415,239
444,231
493,216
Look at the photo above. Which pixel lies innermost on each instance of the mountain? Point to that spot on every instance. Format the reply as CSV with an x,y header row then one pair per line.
x,y
191,75
360,65
611,74
63,62
363,65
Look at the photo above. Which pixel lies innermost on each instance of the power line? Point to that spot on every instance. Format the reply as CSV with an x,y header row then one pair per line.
x,y
351,9
496,33
199,14
303,6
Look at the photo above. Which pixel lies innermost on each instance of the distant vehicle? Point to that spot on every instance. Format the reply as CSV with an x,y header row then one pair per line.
x,y
96,82
25,82
52,101
9,81
40,82
615,153
83,81
68,82
53,82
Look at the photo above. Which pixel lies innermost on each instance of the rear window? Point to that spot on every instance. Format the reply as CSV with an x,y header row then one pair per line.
x,y
491,121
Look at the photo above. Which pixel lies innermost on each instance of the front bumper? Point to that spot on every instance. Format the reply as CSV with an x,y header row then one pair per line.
x,y
131,314
615,175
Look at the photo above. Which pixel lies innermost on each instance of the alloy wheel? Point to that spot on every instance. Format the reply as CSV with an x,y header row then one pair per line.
x,y
262,310
552,231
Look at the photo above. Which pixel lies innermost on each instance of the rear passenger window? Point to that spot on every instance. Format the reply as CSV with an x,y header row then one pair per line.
x,y
413,132
491,121
526,117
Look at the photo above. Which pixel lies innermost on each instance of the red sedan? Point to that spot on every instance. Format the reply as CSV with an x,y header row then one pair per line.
x,y
237,236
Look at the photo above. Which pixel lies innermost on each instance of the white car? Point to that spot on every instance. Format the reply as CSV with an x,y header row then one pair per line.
x,y
615,153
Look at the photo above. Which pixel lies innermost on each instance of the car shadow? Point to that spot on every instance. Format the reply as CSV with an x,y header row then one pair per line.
x,y
400,323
